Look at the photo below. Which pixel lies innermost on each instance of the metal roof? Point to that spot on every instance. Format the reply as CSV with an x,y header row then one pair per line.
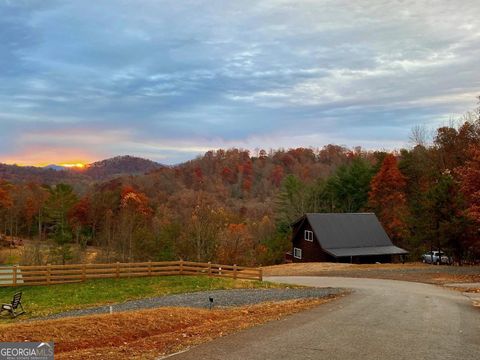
x,y
371,250
351,234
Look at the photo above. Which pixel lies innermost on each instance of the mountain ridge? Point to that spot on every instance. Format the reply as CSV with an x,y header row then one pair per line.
x,y
96,171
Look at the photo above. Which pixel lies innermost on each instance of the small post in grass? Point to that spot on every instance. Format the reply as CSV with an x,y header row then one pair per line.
x,y
209,268
260,272
118,270
149,267
234,271
14,275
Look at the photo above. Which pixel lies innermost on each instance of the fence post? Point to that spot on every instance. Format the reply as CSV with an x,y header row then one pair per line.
x,y
84,272
260,273
49,272
118,270
209,268
14,275
234,271
181,266
149,267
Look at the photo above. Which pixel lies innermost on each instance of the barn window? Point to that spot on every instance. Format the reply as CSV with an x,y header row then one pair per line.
x,y
297,253
308,235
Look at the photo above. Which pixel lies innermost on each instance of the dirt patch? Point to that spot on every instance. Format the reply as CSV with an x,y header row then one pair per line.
x,y
302,268
147,334
417,272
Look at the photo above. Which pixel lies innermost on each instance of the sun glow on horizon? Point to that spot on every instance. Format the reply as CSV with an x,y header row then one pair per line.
x,y
78,165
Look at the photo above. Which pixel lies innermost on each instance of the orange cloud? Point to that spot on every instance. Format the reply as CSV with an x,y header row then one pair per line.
x,y
42,156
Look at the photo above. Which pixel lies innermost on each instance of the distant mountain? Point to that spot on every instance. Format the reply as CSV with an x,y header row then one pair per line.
x,y
55,167
42,175
118,166
97,171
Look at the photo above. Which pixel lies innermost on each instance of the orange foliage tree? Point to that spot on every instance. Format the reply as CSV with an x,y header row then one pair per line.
x,y
387,198
470,183
135,200
469,175
134,213
236,245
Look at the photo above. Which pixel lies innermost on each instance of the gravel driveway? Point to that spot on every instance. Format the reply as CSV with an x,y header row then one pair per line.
x,y
221,298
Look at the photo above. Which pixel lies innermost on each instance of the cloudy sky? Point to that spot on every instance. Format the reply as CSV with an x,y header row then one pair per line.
x,y
167,80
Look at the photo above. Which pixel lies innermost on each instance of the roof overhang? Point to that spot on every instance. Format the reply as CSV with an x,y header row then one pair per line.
x,y
366,251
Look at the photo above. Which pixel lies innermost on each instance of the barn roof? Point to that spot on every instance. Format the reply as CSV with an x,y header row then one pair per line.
x,y
351,234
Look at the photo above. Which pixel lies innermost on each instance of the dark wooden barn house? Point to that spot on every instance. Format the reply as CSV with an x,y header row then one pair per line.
x,y
337,237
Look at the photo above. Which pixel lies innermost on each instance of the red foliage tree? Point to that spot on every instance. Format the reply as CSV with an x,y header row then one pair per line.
x,y
5,198
387,197
198,174
247,172
228,175
277,175
80,213
470,183
79,216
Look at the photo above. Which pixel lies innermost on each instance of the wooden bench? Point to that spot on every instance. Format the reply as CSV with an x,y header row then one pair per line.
x,y
14,305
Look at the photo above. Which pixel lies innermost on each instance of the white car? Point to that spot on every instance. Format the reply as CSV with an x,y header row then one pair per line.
x,y
436,257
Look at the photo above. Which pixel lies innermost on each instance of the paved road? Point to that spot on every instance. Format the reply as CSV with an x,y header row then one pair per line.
x,y
381,319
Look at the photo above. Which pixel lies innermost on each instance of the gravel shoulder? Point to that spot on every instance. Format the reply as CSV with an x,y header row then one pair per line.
x,y
221,299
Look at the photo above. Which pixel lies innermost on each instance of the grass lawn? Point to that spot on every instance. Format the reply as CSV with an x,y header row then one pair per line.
x,y
45,300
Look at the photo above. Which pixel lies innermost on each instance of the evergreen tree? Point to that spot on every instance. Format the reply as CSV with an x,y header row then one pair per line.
x,y
349,186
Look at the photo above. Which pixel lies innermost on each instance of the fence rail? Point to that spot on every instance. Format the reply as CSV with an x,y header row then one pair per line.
x,y
62,274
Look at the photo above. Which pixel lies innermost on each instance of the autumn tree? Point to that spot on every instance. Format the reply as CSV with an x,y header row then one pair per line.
x,y
444,208
235,245
452,144
420,172
62,198
134,213
469,175
387,198
6,203
270,244
247,176
202,232
37,197
276,176
80,220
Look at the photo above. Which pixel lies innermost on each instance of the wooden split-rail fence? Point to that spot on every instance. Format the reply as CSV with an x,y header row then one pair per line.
x,y
20,275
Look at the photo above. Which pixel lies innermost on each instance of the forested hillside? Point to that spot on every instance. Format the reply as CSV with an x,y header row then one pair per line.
x,y
235,206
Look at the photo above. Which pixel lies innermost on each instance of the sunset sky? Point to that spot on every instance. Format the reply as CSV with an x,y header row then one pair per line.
x,y
81,81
